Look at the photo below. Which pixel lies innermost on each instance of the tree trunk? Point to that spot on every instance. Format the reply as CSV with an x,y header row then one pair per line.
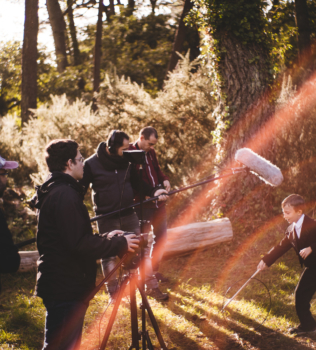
x,y
245,74
179,37
73,34
112,10
153,6
29,60
58,25
28,260
304,32
196,236
97,56
130,7
181,240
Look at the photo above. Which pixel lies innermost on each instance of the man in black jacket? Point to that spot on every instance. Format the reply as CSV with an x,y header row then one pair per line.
x,y
9,256
113,183
300,235
67,247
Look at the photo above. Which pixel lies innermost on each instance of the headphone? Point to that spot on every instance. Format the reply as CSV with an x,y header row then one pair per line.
x,y
111,143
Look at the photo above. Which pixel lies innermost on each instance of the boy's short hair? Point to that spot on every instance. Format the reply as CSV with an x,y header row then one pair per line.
x,y
147,131
294,200
58,152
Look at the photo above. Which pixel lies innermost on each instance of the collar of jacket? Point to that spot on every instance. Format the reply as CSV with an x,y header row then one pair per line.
x,y
54,179
110,161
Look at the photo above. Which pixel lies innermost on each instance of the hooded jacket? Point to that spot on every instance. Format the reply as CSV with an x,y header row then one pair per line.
x,y
67,247
113,182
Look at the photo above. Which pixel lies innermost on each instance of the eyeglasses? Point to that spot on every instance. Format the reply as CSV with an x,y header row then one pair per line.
x,y
81,159
4,174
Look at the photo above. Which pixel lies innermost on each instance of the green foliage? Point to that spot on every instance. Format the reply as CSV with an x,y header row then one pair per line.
x,y
138,47
10,76
182,113
283,29
72,81
242,19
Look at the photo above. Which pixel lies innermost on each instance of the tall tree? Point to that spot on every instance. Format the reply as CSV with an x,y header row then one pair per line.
x,y
241,42
130,7
97,55
303,28
29,59
58,25
73,33
179,37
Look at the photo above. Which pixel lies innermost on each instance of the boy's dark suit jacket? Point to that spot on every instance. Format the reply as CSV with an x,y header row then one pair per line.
x,y
307,239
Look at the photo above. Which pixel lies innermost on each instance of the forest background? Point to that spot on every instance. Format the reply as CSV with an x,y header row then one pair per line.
x,y
211,76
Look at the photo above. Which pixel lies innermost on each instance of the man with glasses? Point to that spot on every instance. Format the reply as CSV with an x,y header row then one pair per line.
x,y
9,256
67,247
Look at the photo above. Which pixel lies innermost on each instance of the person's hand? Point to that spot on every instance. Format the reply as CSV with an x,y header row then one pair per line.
x,y
161,196
262,265
115,232
304,253
132,242
166,183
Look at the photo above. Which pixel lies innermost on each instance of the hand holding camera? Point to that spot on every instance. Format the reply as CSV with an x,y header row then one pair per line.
x,y
132,242
131,238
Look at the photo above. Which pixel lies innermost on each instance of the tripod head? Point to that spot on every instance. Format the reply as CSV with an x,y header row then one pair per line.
x,y
133,260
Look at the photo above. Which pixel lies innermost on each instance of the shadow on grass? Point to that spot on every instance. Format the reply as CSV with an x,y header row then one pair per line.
x,y
240,330
182,341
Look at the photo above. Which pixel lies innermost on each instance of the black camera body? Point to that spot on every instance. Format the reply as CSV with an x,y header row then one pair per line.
x,y
134,259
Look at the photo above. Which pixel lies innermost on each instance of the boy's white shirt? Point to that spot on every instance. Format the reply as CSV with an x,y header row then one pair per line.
x,y
298,225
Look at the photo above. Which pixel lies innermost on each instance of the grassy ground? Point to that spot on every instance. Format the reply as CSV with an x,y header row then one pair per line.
x,y
191,318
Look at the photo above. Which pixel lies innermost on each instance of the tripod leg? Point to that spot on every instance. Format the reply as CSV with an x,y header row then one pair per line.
x,y
134,321
152,317
150,345
143,325
113,314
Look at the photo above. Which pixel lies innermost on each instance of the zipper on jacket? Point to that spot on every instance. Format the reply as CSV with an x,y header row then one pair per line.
x,y
118,182
153,180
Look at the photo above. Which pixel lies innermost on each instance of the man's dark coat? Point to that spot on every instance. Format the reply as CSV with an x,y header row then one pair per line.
x,y
67,247
9,256
113,182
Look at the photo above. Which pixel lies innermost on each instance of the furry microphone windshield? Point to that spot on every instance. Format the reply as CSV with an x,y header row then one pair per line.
x,y
261,167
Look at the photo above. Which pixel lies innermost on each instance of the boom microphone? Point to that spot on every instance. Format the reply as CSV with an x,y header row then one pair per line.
x,y
259,166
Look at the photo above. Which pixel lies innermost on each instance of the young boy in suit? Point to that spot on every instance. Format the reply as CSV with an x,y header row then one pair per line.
x,y
301,235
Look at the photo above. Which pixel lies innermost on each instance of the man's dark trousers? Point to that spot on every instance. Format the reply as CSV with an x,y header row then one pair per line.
x,y
304,292
158,219
64,322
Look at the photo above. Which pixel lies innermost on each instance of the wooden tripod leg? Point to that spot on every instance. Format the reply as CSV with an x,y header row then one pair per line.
x,y
113,314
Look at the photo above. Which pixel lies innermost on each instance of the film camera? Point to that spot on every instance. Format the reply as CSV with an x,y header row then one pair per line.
x,y
133,261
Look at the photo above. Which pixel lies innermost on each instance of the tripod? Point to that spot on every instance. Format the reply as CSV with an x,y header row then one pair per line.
x,y
134,283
